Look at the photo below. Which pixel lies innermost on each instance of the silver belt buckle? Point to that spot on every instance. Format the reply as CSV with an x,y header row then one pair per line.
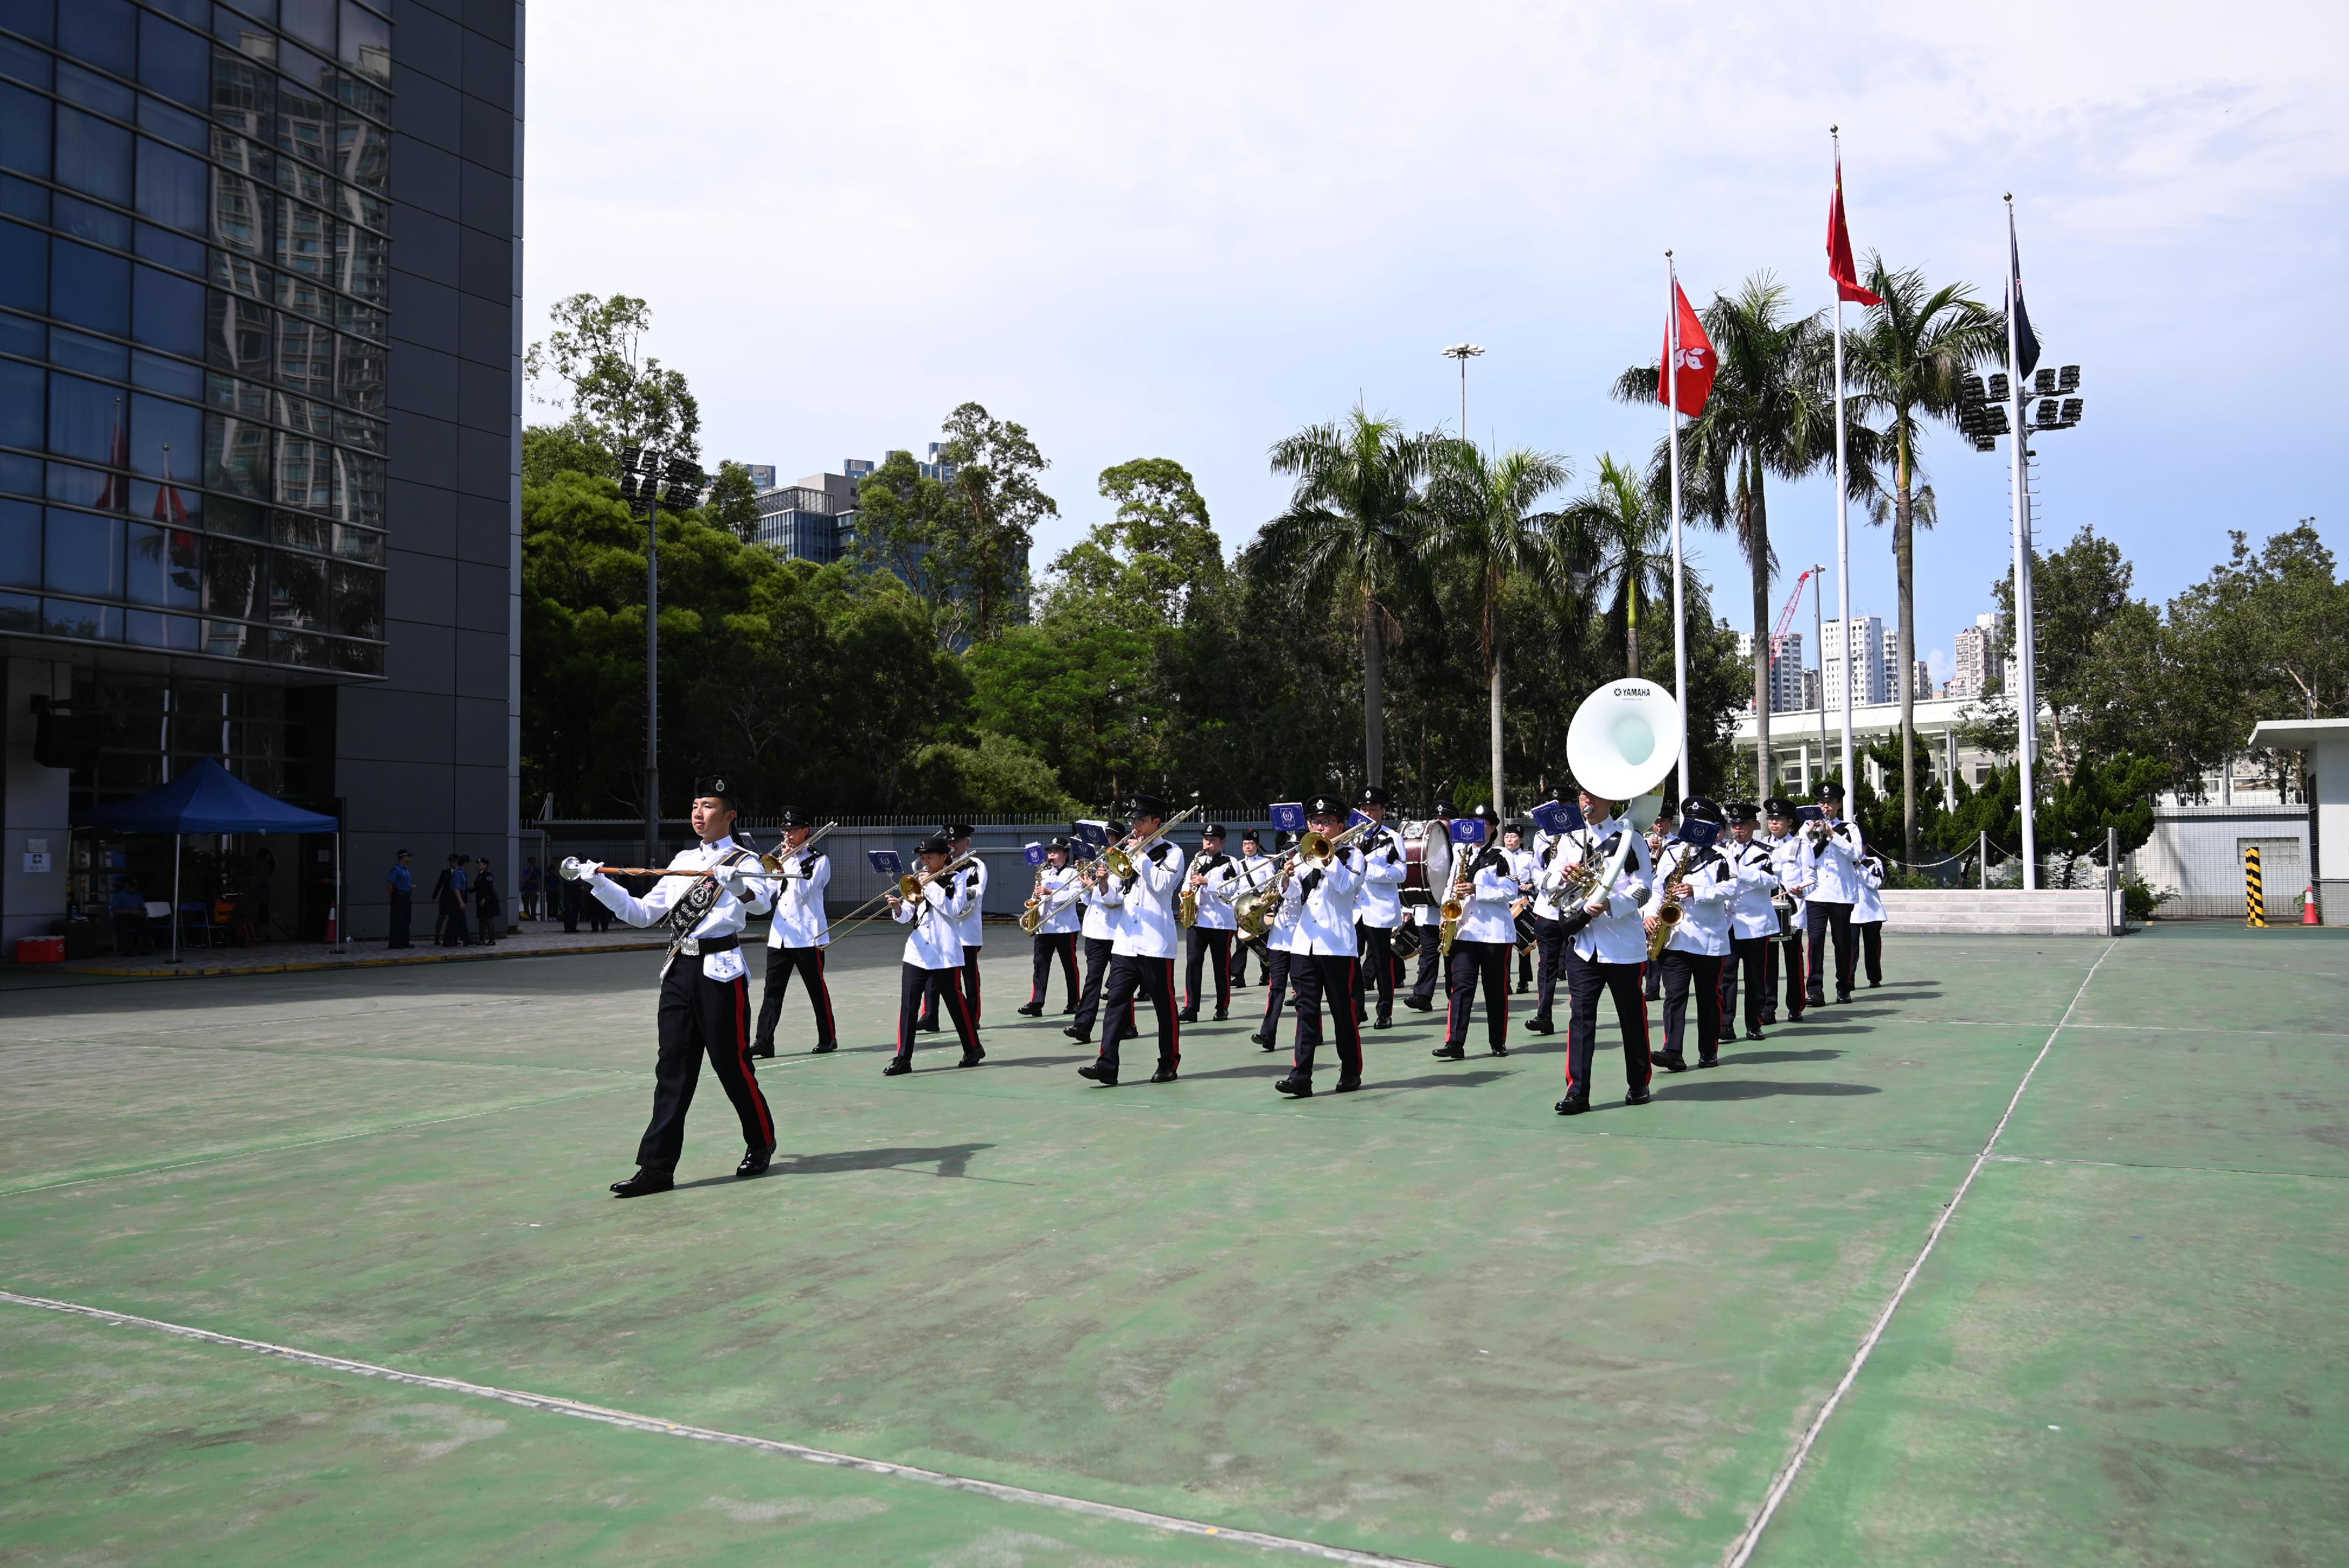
x,y
691,946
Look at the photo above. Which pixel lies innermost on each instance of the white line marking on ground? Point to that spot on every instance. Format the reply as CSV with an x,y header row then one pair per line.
x,y
1786,1479
555,1405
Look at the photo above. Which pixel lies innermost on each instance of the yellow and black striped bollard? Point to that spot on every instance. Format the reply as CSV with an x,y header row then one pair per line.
x,y
2255,909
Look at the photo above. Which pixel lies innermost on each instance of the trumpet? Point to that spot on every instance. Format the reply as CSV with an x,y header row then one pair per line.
x,y
1119,857
1820,831
1256,910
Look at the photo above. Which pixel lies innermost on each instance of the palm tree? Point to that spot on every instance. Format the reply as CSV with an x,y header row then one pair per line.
x,y
1771,411
1483,518
1903,366
1355,527
1630,533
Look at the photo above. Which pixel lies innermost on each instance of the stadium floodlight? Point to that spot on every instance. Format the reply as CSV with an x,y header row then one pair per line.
x,y
2068,379
2071,411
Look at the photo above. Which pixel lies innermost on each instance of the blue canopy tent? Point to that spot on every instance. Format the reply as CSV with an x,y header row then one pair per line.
x,y
207,798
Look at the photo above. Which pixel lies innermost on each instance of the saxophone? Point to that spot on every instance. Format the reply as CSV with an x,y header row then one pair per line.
x,y
1669,912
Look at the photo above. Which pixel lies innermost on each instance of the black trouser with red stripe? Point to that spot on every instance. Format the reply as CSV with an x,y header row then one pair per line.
x,y
1472,961
1785,958
969,989
1097,951
1550,942
781,964
1049,945
1423,985
1871,949
1153,977
1379,968
702,1016
1749,959
1313,975
921,990
1585,979
1214,947
1825,920
1277,963
1683,973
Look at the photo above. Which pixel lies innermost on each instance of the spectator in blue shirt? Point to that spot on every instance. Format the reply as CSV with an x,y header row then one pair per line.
x,y
449,896
399,883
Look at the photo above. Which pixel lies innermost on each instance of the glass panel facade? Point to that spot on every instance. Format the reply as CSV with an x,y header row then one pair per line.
x,y
194,271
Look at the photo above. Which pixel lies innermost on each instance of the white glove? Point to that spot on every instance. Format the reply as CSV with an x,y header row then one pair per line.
x,y
577,870
739,883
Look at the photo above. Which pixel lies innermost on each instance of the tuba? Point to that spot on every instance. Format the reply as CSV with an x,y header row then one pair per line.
x,y
1624,740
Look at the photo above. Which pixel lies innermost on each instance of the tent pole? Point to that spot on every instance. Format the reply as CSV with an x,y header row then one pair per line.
x,y
175,898
335,905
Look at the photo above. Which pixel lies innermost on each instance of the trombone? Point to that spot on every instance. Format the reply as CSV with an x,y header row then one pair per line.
x,y
1256,910
909,888
1119,857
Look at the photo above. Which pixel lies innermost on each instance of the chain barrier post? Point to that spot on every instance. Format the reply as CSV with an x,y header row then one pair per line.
x,y
2255,912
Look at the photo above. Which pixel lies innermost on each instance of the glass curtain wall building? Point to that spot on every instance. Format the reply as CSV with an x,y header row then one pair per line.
x,y
259,414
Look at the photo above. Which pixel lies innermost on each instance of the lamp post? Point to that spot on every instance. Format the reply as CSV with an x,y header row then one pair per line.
x,y
1464,352
641,471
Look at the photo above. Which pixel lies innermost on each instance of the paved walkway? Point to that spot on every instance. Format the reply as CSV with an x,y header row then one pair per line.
x,y
539,938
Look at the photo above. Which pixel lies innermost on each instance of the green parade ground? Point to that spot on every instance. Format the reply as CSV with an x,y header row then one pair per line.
x,y
1188,1323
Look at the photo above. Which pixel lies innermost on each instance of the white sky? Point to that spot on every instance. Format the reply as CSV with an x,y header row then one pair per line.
x,y
1186,232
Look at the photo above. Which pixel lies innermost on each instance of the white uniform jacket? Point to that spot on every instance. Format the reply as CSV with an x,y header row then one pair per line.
x,y
1548,853
800,920
1325,908
1751,913
971,924
1616,935
1834,867
1436,858
725,917
1101,906
936,940
1067,915
1215,894
1786,859
1379,901
1705,914
1486,917
1145,920
1869,907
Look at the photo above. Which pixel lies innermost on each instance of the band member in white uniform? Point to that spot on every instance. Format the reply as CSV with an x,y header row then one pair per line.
x,y
1142,956
1480,946
1697,875
1662,833
1831,860
1323,954
1427,916
1608,954
1378,907
705,987
1214,876
1752,921
932,969
1057,890
797,938
1867,918
1102,900
1786,954
1549,941
970,925
1254,874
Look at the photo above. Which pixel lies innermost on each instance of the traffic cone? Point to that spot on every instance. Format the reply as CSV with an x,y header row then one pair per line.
x,y
2308,908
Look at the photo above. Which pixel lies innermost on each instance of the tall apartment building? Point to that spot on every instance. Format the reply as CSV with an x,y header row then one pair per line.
x,y
815,519
1863,644
1786,671
1974,646
260,428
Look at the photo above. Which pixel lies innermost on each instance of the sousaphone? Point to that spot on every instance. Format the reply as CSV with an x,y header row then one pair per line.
x,y
1624,740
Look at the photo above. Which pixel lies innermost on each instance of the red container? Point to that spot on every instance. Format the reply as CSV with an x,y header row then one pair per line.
x,y
40,950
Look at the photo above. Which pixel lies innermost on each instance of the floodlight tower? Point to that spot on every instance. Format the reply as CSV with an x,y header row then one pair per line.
x,y
1464,352
641,475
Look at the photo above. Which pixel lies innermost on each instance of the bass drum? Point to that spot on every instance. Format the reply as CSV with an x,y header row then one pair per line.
x,y
1416,836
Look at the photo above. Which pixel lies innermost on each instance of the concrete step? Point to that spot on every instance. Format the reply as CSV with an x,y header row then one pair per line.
x,y
1996,911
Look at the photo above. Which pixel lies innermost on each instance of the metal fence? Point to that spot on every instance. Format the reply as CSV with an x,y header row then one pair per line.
x,y
2196,858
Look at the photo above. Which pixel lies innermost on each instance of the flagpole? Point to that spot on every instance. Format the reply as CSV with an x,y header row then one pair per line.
x,y
2027,699
1843,523
1672,423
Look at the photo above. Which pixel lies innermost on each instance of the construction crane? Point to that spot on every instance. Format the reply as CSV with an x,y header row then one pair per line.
x,y
1785,620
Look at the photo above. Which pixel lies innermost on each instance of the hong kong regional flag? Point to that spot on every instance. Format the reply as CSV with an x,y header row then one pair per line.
x,y
1839,263
1694,362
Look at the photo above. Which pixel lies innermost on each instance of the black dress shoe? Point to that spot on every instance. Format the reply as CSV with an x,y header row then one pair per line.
x,y
1163,1075
1295,1088
1671,1061
1637,1096
1419,1004
825,1047
893,1068
1383,1023
1708,1061
1573,1105
1031,1011
644,1181
1755,1035
1345,1085
1500,1050
755,1161
1767,1018
1222,1016
1842,997
1263,1040
1450,1053
1076,1034
762,1051
1541,1027
929,1028
973,1057
1066,1010
1099,1073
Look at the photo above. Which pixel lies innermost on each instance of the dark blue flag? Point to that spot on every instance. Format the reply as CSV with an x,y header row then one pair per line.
x,y
2026,342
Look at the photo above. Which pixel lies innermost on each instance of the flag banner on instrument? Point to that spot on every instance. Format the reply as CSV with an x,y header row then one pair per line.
x,y
1698,834
1357,819
1556,818
1034,852
1468,830
1092,833
1840,266
1288,816
1809,813
885,862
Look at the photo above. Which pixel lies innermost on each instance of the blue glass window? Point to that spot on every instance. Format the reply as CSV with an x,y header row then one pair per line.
x,y
103,32
235,583
173,503
23,131
164,433
19,612
173,188
24,63
159,119
93,156
90,288
83,554
23,268
168,312
93,92
236,334
161,375
22,198
312,21
162,567
20,405
20,476
84,487
30,338
86,419
30,17
20,545
174,61
92,356
175,251
98,623
148,629
359,601
236,456
89,221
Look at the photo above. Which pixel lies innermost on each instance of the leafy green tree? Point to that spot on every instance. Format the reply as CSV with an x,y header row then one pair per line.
x,y
906,526
730,503
997,774
1355,531
568,448
1631,536
1001,505
1904,363
619,396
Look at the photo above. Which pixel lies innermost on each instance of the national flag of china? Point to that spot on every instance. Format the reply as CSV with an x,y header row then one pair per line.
x,y
1841,265
1695,362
